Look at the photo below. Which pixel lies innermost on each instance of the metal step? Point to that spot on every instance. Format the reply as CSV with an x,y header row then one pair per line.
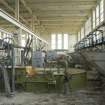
x,y
95,60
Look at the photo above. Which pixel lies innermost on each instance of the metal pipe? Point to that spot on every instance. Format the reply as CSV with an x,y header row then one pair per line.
x,y
12,20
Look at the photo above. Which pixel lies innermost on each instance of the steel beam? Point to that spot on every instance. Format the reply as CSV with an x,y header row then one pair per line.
x,y
12,20
17,9
12,10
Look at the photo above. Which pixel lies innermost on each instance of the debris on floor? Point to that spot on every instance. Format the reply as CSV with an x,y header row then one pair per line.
x,y
80,97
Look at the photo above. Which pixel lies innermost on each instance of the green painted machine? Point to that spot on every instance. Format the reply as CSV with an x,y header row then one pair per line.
x,y
46,81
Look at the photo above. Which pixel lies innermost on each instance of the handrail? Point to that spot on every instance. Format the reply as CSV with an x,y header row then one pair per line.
x,y
92,39
14,21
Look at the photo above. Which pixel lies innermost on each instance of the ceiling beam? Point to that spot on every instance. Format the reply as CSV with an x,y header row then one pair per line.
x,y
61,17
50,2
31,12
25,5
63,7
12,10
60,20
56,14
63,20
62,23
53,30
61,11
17,9
12,20
61,26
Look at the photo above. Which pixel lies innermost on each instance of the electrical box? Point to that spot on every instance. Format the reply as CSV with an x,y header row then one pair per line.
x,y
37,59
51,55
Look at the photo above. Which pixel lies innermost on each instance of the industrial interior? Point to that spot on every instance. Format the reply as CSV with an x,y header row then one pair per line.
x,y
52,52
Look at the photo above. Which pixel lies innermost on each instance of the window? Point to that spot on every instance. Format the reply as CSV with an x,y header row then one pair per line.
x,y
66,41
101,10
98,35
53,41
23,40
72,42
23,43
59,41
97,15
88,26
79,36
7,37
94,37
82,32
4,35
94,18
0,35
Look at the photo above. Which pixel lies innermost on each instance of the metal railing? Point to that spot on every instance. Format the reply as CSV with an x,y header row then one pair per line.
x,y
93,39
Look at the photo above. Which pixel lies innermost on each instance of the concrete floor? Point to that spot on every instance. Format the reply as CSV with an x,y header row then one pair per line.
x,y
92,94
80,97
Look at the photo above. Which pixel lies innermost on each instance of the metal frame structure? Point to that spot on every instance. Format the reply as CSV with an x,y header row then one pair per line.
x,y
12,20
7,63
90,38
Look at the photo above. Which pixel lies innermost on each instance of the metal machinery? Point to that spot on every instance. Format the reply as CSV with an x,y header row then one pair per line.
x,y
49,59
48,73
21,75
12,76
8,74
7,62
47,79
26,59
92,49
7,65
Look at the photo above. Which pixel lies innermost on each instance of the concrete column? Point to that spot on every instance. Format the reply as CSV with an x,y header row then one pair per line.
x,y
76,37
56,38
69,43
32,24
91,20
104,16
62,40
104,10
80,35
99,13
17,9
95,17
84,29
18,37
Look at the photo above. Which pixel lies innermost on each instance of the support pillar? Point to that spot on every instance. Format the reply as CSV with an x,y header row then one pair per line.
x,y
17,9
32,24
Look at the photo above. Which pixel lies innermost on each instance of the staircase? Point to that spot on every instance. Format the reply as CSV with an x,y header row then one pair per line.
x,y
95,59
